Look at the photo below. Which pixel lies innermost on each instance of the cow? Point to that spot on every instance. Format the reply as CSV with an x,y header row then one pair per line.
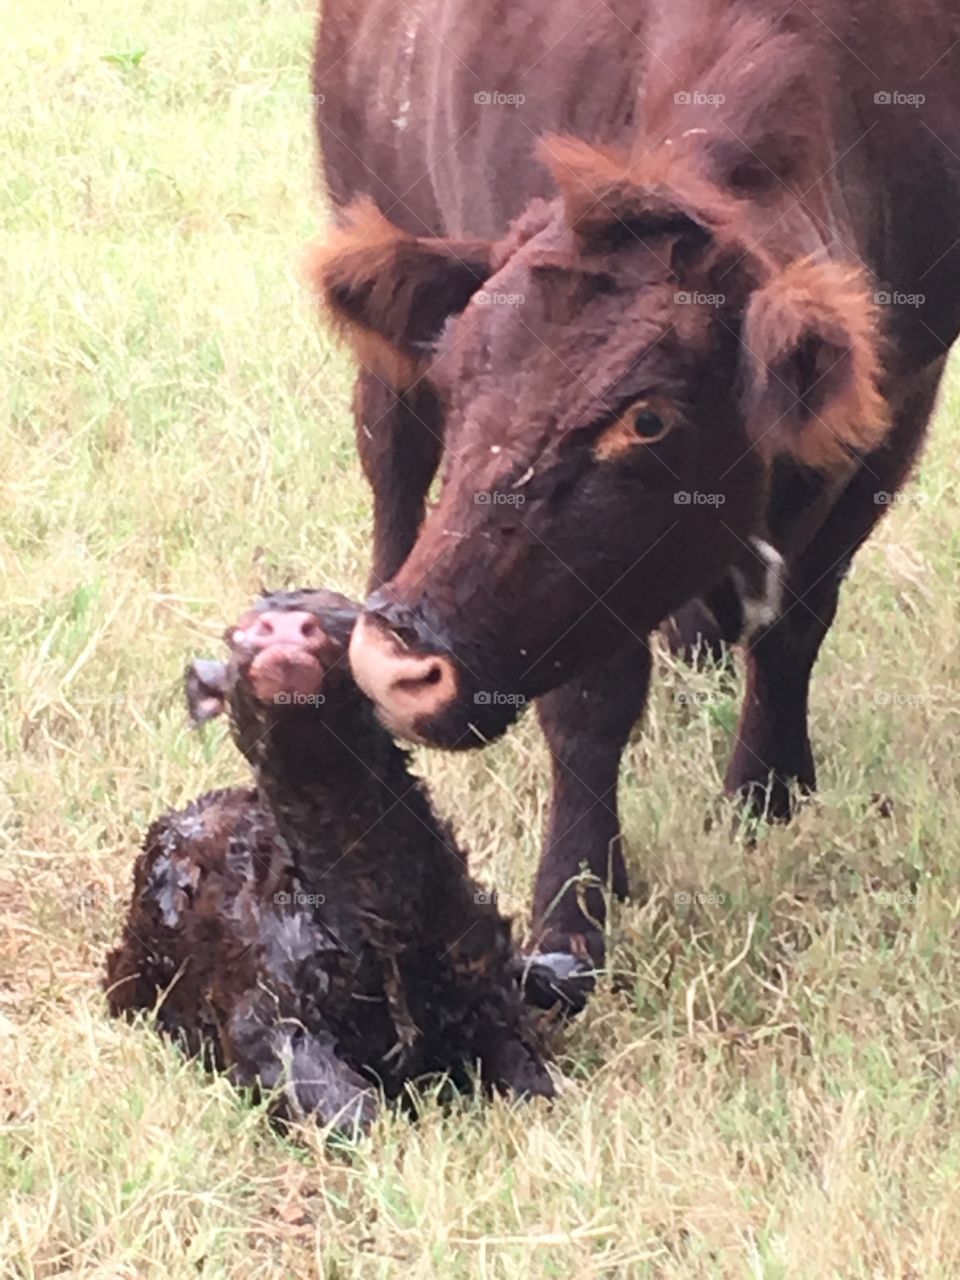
x,y
670,286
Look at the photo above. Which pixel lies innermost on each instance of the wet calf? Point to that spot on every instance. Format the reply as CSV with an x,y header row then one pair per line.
x,y
319,934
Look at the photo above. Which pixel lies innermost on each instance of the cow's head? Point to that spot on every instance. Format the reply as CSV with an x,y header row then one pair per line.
x,y
618,376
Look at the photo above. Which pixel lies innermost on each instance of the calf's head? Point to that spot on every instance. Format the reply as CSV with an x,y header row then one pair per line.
x,y
618,376
294,707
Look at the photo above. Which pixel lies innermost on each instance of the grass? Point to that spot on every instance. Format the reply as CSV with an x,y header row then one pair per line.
x,y
768,1086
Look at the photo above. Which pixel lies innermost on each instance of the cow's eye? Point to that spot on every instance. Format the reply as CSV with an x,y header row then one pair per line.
x,y
648,426
641,424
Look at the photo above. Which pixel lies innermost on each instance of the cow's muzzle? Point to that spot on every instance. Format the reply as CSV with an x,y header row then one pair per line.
x,y
412,689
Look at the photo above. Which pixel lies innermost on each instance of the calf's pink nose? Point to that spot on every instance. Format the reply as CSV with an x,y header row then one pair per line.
x,y
280,626
286,646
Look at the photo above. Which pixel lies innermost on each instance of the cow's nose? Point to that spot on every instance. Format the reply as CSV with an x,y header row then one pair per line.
x,y
406,686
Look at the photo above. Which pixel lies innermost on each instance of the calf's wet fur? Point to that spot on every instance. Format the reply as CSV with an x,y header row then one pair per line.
x,y
318,935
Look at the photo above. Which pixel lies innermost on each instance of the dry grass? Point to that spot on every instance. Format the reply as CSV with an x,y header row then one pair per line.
x,y
768,1087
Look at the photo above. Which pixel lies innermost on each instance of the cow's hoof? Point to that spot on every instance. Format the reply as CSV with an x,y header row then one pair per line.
x,y
557,980
768,802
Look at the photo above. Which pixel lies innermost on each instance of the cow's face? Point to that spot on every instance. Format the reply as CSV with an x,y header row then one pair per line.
x,y
617,379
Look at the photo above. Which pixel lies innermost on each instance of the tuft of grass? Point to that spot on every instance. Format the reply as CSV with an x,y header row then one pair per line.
x,y
767,1084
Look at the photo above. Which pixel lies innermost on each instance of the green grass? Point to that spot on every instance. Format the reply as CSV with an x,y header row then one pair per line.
x,y
768,1087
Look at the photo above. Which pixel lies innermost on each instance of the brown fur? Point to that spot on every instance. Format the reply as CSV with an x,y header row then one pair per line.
x,y
656,193
387,292
772,68
661,199
320,935
734,149
370,274
841,409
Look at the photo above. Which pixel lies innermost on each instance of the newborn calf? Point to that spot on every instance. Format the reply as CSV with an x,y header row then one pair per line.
x,y
319,934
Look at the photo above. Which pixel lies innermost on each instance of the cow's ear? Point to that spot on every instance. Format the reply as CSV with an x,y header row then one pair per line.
x,y
811,352
390,293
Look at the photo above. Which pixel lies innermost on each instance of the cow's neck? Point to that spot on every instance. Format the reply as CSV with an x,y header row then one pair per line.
x,y
750,98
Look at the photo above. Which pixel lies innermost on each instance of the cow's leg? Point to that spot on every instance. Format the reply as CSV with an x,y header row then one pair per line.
x,y
587,724
742,602
400,440
696,636
773,746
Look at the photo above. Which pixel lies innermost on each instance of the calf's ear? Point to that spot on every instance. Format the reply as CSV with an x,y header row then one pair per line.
x,y
390,293
811,352
205,685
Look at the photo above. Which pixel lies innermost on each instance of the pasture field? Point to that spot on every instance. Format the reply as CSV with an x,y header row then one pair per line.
x,y
768,1083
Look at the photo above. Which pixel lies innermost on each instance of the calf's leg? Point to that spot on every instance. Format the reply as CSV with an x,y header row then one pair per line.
x,y
515,1068
266,1050
400,441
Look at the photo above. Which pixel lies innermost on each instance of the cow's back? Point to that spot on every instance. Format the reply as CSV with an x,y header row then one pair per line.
x,y
896,152
434,107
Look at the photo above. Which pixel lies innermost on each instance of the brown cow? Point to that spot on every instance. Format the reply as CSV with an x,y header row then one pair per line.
x,y
704,352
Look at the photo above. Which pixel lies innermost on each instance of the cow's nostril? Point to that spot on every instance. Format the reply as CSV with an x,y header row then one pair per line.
x,y
428,675
405,636
405,685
